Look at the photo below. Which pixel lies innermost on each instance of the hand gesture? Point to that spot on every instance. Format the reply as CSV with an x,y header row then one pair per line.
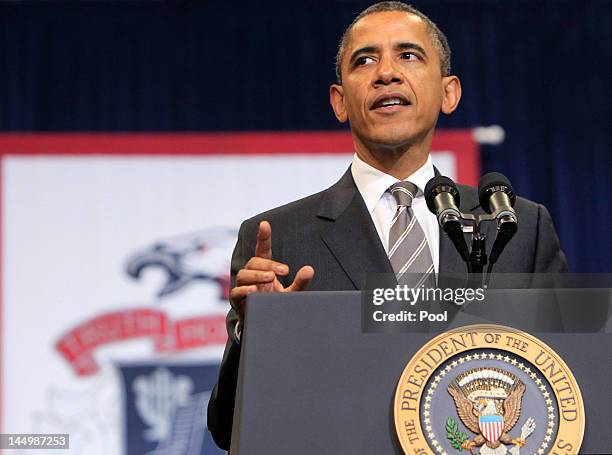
x,y
260,273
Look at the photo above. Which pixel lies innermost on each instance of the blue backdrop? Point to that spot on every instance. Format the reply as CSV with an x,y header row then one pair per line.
x,y
540,69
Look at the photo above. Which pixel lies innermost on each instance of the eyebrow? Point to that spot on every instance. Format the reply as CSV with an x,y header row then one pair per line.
x,y
403,46
407,46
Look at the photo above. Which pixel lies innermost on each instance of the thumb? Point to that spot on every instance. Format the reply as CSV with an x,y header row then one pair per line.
x,y
302,279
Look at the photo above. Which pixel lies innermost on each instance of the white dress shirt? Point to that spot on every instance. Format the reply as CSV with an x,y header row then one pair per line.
x,y
373,185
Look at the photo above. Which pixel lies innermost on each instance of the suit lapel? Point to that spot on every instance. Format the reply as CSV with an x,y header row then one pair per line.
x,y
352,237
354,242
450,261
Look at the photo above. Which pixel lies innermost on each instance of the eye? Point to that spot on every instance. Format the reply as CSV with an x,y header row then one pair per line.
x,y
409,56
363,61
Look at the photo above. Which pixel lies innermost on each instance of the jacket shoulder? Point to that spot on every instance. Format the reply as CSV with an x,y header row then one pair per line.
x,y
307,205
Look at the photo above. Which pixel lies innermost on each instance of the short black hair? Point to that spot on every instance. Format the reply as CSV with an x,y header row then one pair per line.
x,y
439,39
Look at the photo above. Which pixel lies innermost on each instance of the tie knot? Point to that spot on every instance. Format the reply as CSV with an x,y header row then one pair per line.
x,y
403,192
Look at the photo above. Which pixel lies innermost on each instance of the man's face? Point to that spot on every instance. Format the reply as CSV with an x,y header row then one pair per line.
x,y
392,88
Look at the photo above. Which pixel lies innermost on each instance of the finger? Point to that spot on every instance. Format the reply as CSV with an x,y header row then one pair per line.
x,y
262,264
238,295
263,247
247,277
302,279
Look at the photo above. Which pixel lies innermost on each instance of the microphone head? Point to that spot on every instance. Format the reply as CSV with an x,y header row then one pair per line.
x,y
491,183
440,184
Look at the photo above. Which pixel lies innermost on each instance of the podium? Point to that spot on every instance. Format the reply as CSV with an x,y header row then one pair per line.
x,y
312,382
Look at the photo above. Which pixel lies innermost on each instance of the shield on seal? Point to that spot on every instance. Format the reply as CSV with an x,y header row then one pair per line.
x,y
491,426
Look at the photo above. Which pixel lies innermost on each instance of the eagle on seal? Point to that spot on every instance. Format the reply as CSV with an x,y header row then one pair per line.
x,y
488,402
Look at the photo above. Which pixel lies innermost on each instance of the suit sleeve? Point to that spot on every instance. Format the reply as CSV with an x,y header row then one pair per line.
x,y
221,404
549,257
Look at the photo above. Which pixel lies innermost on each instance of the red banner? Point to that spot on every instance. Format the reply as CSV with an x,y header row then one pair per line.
x,y
77,346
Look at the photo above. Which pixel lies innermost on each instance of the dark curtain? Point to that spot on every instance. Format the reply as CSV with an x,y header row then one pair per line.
x,y
540,69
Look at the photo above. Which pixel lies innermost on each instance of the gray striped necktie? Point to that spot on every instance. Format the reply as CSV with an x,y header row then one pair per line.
x,y
408,249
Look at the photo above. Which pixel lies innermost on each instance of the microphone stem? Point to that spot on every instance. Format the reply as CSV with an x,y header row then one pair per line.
x,y
478,257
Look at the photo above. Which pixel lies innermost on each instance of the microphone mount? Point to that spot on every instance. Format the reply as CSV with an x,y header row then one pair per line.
x,y
497,198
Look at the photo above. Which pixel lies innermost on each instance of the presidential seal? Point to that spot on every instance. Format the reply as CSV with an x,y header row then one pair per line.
x,y
489,390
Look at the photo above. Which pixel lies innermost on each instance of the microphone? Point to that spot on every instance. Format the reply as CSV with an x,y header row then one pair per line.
x,y
497,197
443,199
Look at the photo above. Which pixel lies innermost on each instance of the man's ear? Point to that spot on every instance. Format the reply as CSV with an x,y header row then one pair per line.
x,y
452,94
336,99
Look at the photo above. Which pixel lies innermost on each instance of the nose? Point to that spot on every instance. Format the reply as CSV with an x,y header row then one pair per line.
x,y
387,72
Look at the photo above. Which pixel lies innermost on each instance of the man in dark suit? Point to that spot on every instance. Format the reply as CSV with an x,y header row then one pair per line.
x,y
394,79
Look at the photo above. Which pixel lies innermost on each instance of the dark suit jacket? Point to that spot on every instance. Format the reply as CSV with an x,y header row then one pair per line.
x,y
333,231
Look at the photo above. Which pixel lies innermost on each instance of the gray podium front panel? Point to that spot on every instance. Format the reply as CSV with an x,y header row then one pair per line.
x,y
311,382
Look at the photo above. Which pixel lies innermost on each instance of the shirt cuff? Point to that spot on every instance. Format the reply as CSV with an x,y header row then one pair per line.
x,y
238,331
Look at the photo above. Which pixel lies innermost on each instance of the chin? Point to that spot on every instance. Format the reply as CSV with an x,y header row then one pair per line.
x,y
393,138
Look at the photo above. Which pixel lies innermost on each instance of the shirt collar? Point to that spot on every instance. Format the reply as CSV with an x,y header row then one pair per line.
x,y
373,183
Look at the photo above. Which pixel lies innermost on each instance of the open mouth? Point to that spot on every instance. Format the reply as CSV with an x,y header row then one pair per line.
x,y
389,102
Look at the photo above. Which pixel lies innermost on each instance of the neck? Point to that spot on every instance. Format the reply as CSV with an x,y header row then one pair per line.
x,y
398,161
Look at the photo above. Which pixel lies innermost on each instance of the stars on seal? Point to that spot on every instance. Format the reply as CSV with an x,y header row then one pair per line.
x,y
445,370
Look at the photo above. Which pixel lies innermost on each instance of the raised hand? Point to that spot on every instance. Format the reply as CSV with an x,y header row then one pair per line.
x,y
260,273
